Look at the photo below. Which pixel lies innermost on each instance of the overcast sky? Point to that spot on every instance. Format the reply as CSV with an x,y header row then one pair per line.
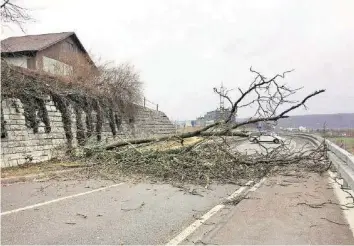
x,y
185,48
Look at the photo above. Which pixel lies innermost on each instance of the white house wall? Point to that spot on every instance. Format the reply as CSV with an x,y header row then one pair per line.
x,y
20,61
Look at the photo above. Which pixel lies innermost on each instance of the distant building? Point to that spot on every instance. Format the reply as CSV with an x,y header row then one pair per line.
x,y
188,123
184,123
214,116
217,115
54,53
303,129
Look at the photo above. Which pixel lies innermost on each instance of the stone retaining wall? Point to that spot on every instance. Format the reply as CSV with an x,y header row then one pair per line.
x,y
19,144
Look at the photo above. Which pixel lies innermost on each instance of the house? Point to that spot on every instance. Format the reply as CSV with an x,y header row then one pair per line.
x,y
303,129
54,53
214,116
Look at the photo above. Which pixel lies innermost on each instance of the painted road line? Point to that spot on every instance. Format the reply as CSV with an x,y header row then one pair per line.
x,y
195,225
343,198
239,191
58,200
256,186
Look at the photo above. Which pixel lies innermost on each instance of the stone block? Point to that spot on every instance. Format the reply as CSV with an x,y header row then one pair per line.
x,y
6,117
54,114
50,103
47,147
11,136
45,141
57,135
19,150
4,143
19,122
13,144
35,154
46,136
51,108
5,151
14,156
16,117
16,127
59,141
32,136
21,161
34,142
21,138
12,163
21,132
57,124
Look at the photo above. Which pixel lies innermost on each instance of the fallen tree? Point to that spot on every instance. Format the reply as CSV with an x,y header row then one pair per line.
x,y
212,160
215,156
267,94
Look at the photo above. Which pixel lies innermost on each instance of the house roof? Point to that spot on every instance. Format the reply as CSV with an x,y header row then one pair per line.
x,y
33,43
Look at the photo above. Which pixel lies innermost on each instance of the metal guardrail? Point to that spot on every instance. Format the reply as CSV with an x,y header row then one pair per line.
x,y
147,102
342,159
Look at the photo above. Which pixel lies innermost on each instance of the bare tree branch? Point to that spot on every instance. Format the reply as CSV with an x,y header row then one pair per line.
x,y
13,13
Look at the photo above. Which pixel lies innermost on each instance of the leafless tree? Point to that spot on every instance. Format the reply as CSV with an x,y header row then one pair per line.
x,y
122,84
13,13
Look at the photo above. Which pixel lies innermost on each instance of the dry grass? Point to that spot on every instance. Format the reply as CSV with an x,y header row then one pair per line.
x,y
38,168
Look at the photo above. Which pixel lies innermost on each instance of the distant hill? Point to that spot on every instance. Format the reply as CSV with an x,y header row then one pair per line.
x,y
316,121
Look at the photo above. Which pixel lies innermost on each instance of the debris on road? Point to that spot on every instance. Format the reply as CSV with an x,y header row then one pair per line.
x,y
82,215
234,201
130,209
214,160
342,224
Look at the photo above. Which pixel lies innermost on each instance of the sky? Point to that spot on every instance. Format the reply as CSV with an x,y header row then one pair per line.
x,y
184,48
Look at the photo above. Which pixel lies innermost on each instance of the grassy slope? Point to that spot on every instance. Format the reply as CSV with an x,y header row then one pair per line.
x,y
344,142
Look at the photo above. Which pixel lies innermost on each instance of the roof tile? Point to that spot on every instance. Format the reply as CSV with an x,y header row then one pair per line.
x,y
32,42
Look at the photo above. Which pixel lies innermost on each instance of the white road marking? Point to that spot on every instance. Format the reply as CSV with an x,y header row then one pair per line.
x,y
343,198
256,186
239,191
59,199
194,226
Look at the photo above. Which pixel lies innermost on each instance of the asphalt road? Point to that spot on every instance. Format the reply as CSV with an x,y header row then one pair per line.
x,y
284,210
124,214
102,212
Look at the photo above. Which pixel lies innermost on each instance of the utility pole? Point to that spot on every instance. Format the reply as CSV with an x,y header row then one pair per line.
x,y
222,91
222,105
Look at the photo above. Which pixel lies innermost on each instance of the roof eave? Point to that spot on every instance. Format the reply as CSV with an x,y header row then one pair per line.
x,y
19,53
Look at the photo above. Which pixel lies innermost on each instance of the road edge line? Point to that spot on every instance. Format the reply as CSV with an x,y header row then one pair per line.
x,y
196,224
342,198
58,199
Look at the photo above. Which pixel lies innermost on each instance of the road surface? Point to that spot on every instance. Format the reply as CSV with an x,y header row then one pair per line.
x,y
280,210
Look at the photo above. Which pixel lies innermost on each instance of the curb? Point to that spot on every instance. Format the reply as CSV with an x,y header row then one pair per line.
x,y
343,161
26,178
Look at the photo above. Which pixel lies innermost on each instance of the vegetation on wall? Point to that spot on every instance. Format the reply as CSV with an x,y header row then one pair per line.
x,y
35,111
73,99
3,122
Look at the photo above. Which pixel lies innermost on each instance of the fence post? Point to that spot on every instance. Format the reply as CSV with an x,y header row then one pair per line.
x,y
157,107
144,102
